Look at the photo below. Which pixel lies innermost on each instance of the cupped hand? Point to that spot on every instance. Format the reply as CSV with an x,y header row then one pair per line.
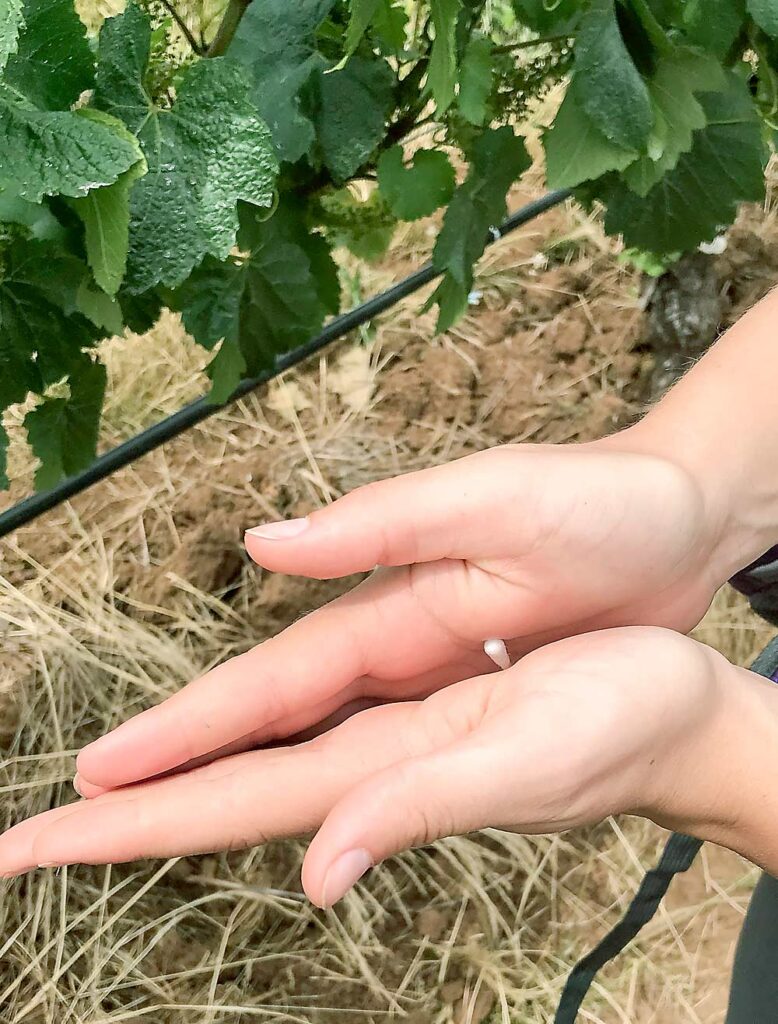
x,y
597,724
527,543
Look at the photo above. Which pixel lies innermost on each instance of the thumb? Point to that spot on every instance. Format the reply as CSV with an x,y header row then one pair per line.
x,y
450,511
410,804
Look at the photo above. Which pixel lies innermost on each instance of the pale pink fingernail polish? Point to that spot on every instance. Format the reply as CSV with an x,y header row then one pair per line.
x,y
283,530
344,874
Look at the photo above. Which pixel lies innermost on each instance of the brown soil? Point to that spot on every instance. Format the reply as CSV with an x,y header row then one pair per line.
x,y
553,353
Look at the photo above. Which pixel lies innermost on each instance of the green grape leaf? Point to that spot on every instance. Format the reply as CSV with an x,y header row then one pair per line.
x,y
140,312
226,370
387,19
318,252
497,159
576,150
547,18
276,43
340,110
442,75
351,115
700,195
57,152
103,310
611,90
390,26
37,219
259,305
765,14
106,216
39,291
678,114
53,63
362,14
204,154
123,55
364,227
11,22
288,225
4,481
419,189
63,431
713,25
292,224
475,80
371,244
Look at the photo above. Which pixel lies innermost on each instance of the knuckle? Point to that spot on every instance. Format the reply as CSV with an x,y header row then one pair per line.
x,y
368,504
421,828
426,819
450,714
193,733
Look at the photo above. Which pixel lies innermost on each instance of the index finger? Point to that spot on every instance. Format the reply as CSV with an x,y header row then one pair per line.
x,y
241,801
270,691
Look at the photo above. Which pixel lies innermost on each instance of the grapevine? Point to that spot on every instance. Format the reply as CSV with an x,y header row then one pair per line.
x,y
203,156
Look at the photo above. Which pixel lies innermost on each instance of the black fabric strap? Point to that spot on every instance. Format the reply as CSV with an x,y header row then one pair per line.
x,y
678,856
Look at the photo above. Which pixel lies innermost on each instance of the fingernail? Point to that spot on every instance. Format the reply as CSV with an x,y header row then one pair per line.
x,y
49,864
283,530
344,875
77,785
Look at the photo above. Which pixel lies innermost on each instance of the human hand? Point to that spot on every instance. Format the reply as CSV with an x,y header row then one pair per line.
x,y
625,720
527,543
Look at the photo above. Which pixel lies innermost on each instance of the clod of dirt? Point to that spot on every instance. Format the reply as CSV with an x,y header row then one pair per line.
x,y
452,992
683,317
569,337
432,924
475,1011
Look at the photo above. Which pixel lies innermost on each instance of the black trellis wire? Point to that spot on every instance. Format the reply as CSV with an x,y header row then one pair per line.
x,y
136,447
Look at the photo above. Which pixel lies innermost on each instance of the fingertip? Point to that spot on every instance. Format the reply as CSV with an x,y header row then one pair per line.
x,y
311,878
284,529
91,834
341,853
89,759
143,746
327,544
87,790
271,542
16,856
326,888
17,845
343,874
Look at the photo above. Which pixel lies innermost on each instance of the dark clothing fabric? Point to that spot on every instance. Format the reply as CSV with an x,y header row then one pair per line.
x,y
759,582
754,995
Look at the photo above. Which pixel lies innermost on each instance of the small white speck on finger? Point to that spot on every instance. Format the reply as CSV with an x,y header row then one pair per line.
x,y
498,652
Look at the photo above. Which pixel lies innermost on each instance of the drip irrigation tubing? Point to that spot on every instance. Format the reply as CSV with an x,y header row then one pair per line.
x,y
136,447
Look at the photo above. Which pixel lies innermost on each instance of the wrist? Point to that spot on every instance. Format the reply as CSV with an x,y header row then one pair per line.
x,y
721,783
739,508
719,424
715,554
